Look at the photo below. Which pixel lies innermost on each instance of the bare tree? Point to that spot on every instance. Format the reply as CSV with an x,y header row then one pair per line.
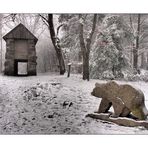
x,y
55,40
31,21
139,30
143,60
85,46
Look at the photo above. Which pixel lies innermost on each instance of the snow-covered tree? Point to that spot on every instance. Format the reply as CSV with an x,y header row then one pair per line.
x,y
108,59
78,36
70,37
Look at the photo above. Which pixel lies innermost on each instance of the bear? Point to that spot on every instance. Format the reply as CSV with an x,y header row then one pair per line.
x,y
125,99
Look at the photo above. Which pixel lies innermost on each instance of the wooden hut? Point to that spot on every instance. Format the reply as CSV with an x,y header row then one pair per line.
x,y
20,57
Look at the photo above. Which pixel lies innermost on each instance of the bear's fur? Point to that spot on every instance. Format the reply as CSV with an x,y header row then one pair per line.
x,y
124,98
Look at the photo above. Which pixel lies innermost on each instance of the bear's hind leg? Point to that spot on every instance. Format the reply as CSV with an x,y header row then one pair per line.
x,y
125,112
139,113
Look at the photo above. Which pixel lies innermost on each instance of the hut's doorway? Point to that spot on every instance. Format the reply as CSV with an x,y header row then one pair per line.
x,y
21,67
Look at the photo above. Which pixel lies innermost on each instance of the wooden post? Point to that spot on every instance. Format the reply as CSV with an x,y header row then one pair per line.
x,y
69,68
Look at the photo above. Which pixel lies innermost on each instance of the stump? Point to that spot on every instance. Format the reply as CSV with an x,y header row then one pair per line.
x,y
69,68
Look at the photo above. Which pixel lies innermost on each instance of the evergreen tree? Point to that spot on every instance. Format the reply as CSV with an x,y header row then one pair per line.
x,y
107,57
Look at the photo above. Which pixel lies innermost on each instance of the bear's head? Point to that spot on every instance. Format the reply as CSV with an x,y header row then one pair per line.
x,y
98,90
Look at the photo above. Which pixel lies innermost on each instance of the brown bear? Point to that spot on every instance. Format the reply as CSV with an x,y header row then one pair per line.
x,y
125,99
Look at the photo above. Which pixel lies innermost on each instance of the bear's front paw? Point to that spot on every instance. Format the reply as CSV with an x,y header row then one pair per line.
x,y
114,116
96,112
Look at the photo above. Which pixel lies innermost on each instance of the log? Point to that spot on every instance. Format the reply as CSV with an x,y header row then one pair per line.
x,y
123,121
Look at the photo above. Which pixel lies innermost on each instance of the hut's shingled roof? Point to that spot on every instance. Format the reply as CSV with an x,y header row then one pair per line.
x,y
20,32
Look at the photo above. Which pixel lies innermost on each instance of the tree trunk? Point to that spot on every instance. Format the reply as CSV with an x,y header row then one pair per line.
x,y
147,61
135,49
84,54
131,56
80,56
143,61
86,67
85,48
56,45
135,58
117,70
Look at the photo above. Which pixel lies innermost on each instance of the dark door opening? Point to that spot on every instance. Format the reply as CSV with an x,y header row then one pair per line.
x,y
21,67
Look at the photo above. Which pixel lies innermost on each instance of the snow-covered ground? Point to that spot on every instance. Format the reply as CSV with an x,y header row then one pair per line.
x,y
53,104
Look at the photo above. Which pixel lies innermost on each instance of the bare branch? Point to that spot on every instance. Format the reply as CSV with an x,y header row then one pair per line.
x,y
131,23
45,19
58,28
81,36
142,21
41,33
89,39
93,26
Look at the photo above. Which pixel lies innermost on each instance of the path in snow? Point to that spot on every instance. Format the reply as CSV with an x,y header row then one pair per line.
x,y
53,104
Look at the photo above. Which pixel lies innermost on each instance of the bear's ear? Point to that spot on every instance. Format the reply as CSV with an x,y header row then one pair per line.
x,y
111,82
97,85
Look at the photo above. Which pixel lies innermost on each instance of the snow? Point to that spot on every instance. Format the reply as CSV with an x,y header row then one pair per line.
x,y
69,64
54,104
